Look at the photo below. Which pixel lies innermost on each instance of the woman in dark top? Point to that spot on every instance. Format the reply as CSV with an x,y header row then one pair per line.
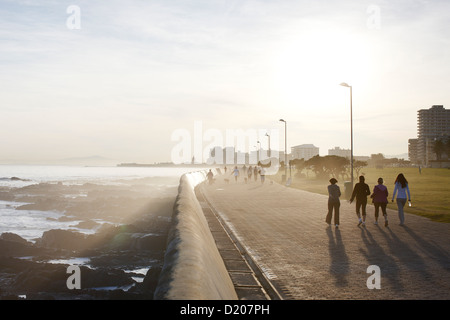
x,y
379,196
334,192
360,192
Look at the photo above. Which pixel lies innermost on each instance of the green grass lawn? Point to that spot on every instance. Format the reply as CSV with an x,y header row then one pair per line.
x,y
429,190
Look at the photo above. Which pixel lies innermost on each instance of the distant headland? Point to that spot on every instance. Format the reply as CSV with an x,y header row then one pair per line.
x,y
166,164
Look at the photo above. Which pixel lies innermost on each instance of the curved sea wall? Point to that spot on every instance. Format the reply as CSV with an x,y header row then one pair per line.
x,y
193,268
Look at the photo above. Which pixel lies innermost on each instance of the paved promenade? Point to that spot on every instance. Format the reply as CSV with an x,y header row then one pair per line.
x,y
284,231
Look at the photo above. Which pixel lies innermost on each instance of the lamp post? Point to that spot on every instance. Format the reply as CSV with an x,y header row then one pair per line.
x,y
258,152
351,130
285,147
267,135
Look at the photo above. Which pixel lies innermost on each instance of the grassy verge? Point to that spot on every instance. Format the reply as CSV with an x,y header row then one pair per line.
x,y
429,189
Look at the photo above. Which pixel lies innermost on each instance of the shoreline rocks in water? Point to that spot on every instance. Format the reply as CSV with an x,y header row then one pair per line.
x,y
134,238
26,268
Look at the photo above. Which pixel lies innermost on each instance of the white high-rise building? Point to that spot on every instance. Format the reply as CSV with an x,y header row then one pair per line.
x,y
432,124
304,151
346,153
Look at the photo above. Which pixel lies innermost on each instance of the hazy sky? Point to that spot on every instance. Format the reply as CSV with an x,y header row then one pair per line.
x,y
119,79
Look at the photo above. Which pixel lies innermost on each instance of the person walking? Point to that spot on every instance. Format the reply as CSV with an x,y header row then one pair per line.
x,y
401,189
334,192
235,173
210,177
262,174
379,198
249,173
255,173
360,192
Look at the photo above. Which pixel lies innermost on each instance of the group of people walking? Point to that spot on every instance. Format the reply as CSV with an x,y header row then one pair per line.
x,y
249,172
379,198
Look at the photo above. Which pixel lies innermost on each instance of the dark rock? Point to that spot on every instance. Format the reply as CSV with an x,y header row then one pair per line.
x,y
151,279
88,224
42,277
18,179
104,277
13,248
12,244
9,236
35,277
134,238
62,239
137,242
10,297
150,242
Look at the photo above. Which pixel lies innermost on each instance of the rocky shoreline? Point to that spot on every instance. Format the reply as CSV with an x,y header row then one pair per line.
x,y
122,258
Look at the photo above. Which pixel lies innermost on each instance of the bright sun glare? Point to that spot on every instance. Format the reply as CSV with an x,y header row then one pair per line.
x,y
311,67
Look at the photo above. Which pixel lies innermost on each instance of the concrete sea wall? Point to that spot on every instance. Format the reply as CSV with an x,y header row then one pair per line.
x,y
193,268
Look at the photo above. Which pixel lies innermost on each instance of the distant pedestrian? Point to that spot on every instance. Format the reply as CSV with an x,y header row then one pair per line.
x,y
379,198
235,173
249,173
401,189
334,192
255,173
262,174
360,192
210,177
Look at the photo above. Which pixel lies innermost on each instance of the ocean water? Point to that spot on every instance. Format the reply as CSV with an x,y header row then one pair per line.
x,y
33,174
30,224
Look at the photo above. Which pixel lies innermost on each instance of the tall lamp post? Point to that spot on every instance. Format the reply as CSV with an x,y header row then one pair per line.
x,y
267,135
258,152
351,130
285,147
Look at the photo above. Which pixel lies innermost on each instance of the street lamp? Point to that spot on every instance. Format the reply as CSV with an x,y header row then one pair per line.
x,y
267,135
285,147
258,152
351,129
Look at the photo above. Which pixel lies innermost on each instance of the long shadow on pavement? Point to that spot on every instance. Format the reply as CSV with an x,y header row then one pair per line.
x,y
376,255
406,256
433,250
339,267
